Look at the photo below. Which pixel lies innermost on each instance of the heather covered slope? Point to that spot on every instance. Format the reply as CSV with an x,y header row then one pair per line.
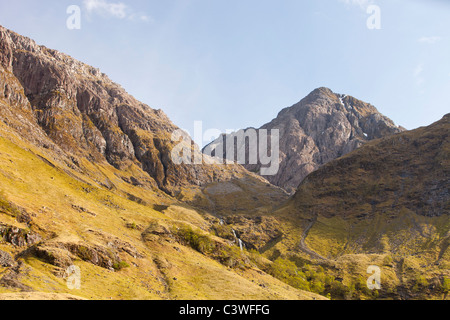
x,y
387,204
126,247
409,171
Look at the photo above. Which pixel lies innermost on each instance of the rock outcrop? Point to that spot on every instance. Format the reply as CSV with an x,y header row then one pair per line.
x,y
76,111
6,260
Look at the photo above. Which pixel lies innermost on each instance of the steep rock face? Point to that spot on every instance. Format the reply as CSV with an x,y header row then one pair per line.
x,y
320,128
73,109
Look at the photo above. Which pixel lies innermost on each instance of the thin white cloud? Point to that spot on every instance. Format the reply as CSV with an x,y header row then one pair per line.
x,y
429,40
363,4
117,10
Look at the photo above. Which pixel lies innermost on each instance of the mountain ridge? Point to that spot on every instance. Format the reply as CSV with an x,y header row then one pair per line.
x,y
321,127
386,202
87,115
87,180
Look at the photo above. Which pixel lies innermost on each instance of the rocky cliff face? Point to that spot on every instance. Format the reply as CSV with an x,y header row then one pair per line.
x,y
73,109
320,128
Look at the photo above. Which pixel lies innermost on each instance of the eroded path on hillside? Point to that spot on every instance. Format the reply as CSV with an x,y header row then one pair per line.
x,y
303,245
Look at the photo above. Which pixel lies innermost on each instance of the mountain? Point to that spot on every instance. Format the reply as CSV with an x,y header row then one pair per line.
x,y
322,127
93,204
386,204
87,179
76,112
73,108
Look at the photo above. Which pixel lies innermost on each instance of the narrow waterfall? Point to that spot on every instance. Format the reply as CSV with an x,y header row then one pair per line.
x,y
238,241
241,245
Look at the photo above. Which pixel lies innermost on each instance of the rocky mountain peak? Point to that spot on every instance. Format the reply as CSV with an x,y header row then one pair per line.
x,y
321,127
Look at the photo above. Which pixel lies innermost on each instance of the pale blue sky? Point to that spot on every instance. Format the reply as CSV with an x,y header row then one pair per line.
x,y
236,63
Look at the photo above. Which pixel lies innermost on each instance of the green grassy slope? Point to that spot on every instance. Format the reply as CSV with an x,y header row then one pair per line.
x,y
386,204
64,217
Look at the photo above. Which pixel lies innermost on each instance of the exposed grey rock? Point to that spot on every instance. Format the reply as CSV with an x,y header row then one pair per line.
x,y
320,128
18,237
74,110
6,260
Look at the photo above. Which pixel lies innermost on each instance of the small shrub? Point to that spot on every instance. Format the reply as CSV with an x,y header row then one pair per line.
x,y
446,285
120,265
288,272
132,225
388,261
420,283
201,243
7,207
223,231
230,256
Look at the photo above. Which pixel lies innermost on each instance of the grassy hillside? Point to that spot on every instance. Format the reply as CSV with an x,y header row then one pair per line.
x,y
52,216
385,204
87,180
